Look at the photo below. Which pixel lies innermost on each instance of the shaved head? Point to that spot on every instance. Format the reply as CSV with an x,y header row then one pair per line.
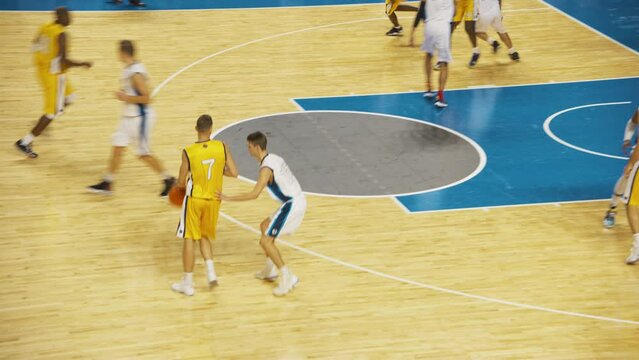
x,y
62,16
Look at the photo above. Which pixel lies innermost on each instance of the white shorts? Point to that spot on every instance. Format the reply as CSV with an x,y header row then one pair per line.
x,y
437,37
491,18
287,218
136,129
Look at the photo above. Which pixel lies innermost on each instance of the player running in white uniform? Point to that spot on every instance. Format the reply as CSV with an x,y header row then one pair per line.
x,y
490,15
283,186
437,16
137,121
620,185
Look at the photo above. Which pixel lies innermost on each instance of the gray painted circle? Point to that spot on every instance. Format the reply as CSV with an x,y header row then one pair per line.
x,y
358,154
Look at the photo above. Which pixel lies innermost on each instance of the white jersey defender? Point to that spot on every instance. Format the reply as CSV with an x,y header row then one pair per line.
x,y
285,188
439,14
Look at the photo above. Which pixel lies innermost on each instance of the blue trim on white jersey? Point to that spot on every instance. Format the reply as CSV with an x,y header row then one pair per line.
x,y
275,189
280,219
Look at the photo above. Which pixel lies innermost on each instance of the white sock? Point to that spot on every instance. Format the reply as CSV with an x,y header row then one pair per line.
x,y
286,273
635,237
490,40
511,50
27,139
269,263
108,177
165,175
188,278
210,269
475,50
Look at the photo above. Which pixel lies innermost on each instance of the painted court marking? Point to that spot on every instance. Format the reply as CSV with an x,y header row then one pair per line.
x,y
431,287
480,152
361,268
552,135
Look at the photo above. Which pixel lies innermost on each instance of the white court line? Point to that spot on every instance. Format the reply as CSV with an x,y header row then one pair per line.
x,y
488,208
432,287
567,144
468,88
380,4
480,152
590,27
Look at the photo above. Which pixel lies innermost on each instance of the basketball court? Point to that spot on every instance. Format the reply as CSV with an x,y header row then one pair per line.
x,y
473,232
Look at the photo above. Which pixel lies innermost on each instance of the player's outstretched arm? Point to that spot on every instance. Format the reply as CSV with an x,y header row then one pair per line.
x,y
421,16
230,168
262,181
184,171
64,61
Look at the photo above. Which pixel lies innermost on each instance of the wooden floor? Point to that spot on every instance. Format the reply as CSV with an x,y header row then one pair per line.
x,y
86,277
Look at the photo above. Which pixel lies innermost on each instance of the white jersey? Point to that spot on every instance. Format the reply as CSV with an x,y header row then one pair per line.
x,y
440,10
126,83
486,6
284,186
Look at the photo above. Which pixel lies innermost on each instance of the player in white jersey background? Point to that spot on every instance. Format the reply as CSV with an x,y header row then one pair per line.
x,y
620,185
437,16
284,187
490,15
138,119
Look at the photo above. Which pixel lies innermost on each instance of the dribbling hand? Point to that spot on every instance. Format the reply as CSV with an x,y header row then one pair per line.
x,y
626,146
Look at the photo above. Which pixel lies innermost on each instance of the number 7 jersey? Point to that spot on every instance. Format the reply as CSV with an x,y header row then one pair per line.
x,y
206,165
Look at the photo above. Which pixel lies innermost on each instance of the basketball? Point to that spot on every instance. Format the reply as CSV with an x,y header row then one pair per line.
x,y
176,195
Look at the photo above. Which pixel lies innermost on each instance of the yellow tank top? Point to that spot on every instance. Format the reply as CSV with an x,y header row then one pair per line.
x,y
206,164
46,48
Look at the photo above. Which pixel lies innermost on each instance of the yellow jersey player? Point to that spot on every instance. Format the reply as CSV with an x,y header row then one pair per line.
x,y
391,7
631,198
207,161
279,179
468,11
620,185
50,48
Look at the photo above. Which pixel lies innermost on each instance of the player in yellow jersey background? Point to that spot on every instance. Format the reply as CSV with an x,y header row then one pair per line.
x,y
204,164
50,48
391,7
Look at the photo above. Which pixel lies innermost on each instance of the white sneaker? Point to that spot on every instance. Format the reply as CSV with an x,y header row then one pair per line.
x,y
634,255
441,104
284,287
266,275
181,287
430,95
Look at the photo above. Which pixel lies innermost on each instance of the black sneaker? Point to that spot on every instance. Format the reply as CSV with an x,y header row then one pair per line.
x,y
395,31
26,149
473,60
495,46
103,188
168,184
514,56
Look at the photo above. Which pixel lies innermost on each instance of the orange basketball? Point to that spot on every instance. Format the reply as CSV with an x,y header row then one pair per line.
x,y
176,195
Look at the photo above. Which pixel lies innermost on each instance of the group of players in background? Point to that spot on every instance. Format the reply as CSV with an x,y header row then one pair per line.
x,y
204,163
441,18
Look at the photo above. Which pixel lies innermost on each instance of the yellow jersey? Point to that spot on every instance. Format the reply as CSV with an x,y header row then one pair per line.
x,y
46,48
206,164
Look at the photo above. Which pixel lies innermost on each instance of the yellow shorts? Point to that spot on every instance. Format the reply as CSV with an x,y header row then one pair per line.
x,y
631,193
391,6
465,10
198,219
56,90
